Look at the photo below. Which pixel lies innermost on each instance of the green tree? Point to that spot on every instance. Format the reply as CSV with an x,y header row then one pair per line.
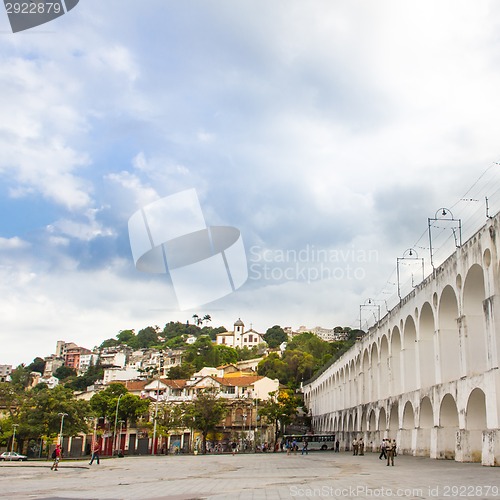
x,y
201,353
177,329
224,355
247,353
147,337
64,372
116,396
125,336
109,343
11,399
20,376
300,366
274,336
205,413
176,342
40,413
184,371
37,365
272,366
169,417
93,373
280,409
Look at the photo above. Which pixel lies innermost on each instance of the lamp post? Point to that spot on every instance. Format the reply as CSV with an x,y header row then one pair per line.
x,y
369,303
160,362
13,439
114,429
408,255
244,443
94,433
156,416
120,436
62,415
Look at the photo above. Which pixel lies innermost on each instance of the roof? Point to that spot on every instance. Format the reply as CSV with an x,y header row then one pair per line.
x,y
238,322
174,384
239,381
132,385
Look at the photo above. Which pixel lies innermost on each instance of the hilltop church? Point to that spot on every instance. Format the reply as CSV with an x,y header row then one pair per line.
x,y
239,338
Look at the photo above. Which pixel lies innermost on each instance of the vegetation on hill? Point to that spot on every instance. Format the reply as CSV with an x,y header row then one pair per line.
x,y
305,356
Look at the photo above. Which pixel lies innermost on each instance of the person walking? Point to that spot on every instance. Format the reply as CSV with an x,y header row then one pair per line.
x,y
305,450
391,451
355,447
233,447
337,446
95,453
56,455
383,449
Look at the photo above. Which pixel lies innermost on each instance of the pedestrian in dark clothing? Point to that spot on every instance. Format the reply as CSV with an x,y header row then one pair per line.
x,y
383,448
304,447
337,446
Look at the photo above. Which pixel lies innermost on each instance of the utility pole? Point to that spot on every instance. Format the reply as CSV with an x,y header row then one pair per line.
x,y
160,364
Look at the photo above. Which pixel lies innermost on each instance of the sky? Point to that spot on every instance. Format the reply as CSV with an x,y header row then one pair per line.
x,y
326,132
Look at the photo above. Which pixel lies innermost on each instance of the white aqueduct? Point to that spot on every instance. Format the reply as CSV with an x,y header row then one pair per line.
x,y
427,374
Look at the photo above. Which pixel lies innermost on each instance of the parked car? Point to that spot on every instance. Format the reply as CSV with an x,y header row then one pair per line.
x,y
12,455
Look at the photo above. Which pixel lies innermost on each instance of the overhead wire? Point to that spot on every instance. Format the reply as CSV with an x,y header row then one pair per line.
x,y
472,218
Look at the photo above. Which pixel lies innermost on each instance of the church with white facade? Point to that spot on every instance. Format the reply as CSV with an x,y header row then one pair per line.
x,y
239,337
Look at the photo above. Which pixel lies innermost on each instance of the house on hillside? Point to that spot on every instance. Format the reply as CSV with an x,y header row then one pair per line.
x,y
239,337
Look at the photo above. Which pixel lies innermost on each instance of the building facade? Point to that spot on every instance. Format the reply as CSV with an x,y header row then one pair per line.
x,y
239,337
427,374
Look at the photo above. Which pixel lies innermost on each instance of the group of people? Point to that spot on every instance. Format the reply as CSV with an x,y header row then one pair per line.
x,y
388,450
358,447
57,455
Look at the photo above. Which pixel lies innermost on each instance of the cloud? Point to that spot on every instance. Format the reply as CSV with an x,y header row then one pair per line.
x,y
337,126
12,243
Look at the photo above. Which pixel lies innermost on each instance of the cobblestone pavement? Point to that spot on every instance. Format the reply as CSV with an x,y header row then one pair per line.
x,y
252,476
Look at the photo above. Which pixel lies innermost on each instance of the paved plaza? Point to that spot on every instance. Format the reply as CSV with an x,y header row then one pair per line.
x,y
251,476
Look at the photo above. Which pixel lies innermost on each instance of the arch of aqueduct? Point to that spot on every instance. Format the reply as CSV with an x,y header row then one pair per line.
x,y
426,374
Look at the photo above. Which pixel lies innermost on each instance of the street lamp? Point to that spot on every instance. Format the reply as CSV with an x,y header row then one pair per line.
x,y
244,443
120,436
94,434
62,415
114,429
160,361
13,439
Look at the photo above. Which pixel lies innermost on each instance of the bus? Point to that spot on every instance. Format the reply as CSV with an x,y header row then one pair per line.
x,y
320,442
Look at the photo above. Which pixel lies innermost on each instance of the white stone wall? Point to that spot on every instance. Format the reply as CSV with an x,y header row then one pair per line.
x,y
427,373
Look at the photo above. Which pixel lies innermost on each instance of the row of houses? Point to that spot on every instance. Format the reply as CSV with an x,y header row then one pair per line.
x,y
241,389
123,363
